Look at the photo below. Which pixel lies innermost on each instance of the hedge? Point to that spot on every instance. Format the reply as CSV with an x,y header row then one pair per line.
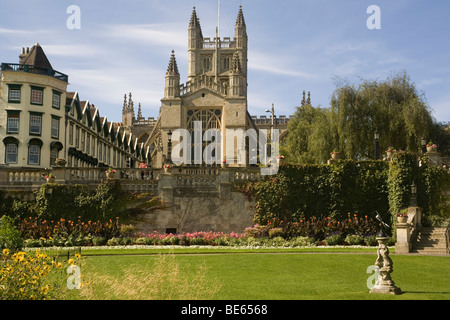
x,y
358,187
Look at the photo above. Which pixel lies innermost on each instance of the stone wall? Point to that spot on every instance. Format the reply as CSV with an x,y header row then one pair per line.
x,y
200,213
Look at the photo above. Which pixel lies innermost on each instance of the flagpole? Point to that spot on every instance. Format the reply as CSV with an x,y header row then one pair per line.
x,y
218,18
217,43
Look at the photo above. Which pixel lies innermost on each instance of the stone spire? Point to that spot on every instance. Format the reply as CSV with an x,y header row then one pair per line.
x,y
124,109
195,21
128,111
140,112
240,21
173,68
130,104
172,87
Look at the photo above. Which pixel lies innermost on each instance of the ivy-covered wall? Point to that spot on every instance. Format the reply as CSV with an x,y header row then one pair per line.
x,y
70,202
356,187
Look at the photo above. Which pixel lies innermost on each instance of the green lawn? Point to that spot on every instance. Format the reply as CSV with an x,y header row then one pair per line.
x,y
257,275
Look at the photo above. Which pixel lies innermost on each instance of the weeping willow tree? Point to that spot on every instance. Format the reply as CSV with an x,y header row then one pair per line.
x,y
393,107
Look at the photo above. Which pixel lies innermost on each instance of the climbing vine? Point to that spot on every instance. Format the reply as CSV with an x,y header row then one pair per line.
x,y
359,187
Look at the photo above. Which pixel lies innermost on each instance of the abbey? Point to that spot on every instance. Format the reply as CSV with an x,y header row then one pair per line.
x,y
215,94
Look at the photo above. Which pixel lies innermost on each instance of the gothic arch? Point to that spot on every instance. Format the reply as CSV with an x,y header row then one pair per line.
x,y
210,118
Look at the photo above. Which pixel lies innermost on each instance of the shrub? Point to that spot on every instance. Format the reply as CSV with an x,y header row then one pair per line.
x,y
301,242
257,231
99,241
184,241
126,229
333,240
276,242
221,241
354,239
31,243
370,240
197,241
275,232
113,242
10,237
141,241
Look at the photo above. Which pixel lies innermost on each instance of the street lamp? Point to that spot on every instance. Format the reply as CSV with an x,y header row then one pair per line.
x,y
413,194
273,116
169,147
377,145
272,126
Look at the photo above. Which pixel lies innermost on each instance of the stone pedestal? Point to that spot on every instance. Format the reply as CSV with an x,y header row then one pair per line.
x,y
435,157
62,174
403,244
384,263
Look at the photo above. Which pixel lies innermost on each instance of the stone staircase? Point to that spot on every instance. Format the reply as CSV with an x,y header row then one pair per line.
x,y
431,240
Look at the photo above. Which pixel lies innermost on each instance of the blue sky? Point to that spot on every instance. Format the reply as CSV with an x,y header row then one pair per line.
x,y
294,45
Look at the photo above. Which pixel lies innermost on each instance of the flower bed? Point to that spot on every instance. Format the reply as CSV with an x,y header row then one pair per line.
x,y
311,232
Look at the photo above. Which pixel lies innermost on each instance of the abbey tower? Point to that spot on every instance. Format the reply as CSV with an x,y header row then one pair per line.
x,y
215,96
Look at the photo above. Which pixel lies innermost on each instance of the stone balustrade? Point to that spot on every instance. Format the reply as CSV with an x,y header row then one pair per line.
x,y
20,178
205,179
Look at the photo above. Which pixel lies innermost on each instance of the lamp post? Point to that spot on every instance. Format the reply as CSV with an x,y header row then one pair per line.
x,y
273,116
377,145
169,147
413,194
423,143
272,126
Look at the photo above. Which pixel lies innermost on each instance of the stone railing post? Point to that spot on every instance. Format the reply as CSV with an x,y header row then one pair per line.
x,y
166,186
224,183
403,244
415,218
3,176
62,175
406,230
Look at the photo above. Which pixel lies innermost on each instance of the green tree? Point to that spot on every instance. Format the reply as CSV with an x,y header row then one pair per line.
x,y
394,107
309,138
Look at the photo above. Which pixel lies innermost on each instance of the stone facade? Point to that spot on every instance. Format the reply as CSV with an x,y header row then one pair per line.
x,y
215,94
40,121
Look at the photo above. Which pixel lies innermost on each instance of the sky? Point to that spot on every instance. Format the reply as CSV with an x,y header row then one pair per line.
x,y
122,46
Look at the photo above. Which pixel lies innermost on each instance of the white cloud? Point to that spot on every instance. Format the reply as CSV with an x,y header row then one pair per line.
x,y
149,34
73,50
277,64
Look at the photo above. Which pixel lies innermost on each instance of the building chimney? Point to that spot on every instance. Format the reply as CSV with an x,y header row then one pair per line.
x,y
22,56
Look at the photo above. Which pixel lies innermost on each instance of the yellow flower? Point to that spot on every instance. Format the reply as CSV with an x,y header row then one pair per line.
x,y
77,255
71,261
6,252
